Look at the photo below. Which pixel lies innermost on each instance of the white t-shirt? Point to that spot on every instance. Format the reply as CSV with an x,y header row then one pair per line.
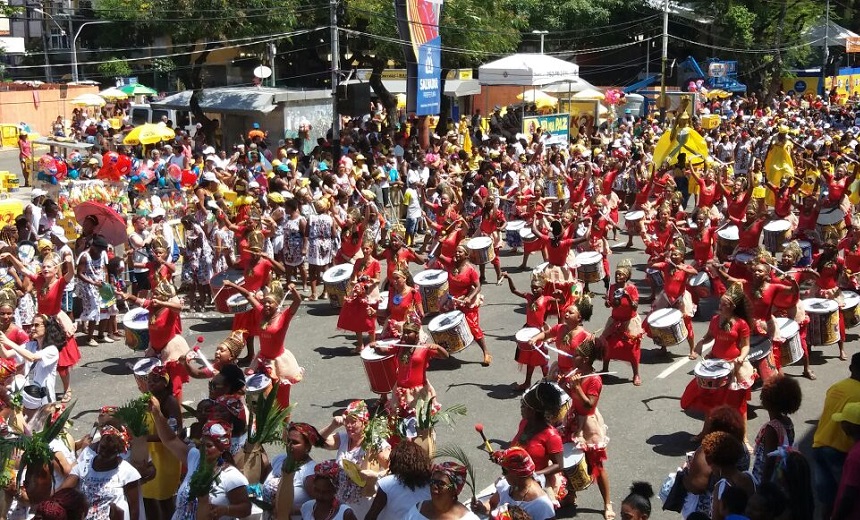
x,y
103,488
270,485
308,511
413,203
400,498
539,509
415,514
229,479
140,253
42,372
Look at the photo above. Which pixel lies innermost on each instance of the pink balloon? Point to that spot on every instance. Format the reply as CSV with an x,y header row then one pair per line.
x,y
189,178
175,172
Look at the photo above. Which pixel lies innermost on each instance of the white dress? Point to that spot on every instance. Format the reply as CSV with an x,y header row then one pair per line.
x,y
400,498
270,485
320,240
308,511
229,479
415,514
103,488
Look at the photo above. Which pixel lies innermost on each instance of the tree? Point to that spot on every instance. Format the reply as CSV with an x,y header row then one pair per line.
x,y
115,68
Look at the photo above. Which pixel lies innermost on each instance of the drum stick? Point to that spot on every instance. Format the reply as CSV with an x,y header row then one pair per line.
x,y
573,372
404,345
557,351
777,269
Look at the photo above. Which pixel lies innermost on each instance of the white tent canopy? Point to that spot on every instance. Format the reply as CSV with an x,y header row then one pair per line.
x,y
572,86
836,35
527,70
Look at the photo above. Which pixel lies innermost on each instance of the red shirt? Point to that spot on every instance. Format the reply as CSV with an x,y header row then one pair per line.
x,y
748,236
542,446
494,221
403,256
727,342
703,245
413,373
738,205
351,244
50,298
674,280
397,311
707,193
591,386
273,333
850,480
566,341
256,277
461,284
536,308
164,325
368,266
623,309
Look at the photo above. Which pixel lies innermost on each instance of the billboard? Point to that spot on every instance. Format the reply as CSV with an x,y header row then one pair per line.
x,y
418,23
557,125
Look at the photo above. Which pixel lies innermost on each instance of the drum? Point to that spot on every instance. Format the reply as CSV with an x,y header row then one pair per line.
x,y
823,321
727,241
238,303
575,467
256,386
712,374
382,310
831,221
527,235
761,357
556,402
851,311
700,285
136,323
791,351
27,252
336,280
590,266
433,286
667,327
806,257
141,370
656,277
775,233
523,337
481,250
381,370
222,293
512,233
634,217
451,331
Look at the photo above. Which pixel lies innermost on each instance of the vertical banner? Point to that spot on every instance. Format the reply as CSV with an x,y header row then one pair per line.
x,y
429,97
418,23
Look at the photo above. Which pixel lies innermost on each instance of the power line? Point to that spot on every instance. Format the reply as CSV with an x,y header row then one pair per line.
x,y
747,51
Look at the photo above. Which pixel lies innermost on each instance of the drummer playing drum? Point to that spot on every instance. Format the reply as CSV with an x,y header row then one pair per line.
x,y
464,288
674,294
792,308
492,223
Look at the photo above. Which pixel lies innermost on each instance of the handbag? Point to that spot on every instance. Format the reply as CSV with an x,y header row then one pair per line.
x,y
673,493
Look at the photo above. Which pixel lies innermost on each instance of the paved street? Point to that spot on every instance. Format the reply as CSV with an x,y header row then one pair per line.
x,y
649,433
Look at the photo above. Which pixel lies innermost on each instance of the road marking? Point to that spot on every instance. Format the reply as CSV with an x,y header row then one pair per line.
x,y
681,362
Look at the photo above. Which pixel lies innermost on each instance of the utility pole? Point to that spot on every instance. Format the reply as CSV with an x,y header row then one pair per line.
x,y
664,61
335,80
826,52
273,49
542,35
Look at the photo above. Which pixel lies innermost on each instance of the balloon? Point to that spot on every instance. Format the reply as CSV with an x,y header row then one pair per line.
x,y
123,164
146,176
62,170
162,182
75,158
175,172
189,178
73,174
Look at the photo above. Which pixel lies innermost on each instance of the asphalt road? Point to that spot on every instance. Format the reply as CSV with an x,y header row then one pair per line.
x,y
648,431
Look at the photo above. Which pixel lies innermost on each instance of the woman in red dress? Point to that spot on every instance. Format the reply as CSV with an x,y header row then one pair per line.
x,y
674,294
402,300
367,266
492,223
830,268
730,332
537,305
791,307
274,360
537,435
807,219
568,335
622,334
358,313
464,289
352,231
50,286
658,234
165,332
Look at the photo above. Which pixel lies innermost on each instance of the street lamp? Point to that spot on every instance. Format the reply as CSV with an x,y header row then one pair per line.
x,y
542,34
45,40
75,46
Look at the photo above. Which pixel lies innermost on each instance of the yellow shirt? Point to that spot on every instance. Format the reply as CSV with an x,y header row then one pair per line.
x,y
829,433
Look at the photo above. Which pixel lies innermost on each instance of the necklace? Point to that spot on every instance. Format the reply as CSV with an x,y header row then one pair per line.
x,y
331,512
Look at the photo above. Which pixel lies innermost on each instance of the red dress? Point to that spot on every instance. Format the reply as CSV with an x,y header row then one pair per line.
x,y
459,286
350,245
738,205
749,236
272,336
402,258
50,299
595,456
566,341
399,306
536,309
164,325
622,343
556,251
726,347
354,316
703,246
255,279
368,266
708,193
541,446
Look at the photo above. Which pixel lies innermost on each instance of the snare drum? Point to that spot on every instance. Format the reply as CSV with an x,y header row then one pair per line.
x,y
481,250
256,386
727,241
823,321
141,370
136,323
238,303
667,327
451,331
656,277
831,220
775,233
851,311
382,311
222,293
712,374
512,233
590,268
527,236
433,286
523,337
336,280
575,467
791,351
761,357
700,285
381,370
633,217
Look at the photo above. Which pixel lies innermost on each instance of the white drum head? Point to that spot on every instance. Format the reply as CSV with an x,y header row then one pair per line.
x,y
665,318
819,305
136,319
572,455
236,298
744,257
431,277
527,233
778,226
527,333
634,215
700,279
479,243
446,321
728,233
383,301
787,327
851,299
257,383
338,273
371,355
589,258
828,218
515,225
144,366
712,368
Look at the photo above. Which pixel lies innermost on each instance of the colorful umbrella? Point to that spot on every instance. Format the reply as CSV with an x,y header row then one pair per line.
x,y
89,100
148,134
111,225
538,97
136,89
113,93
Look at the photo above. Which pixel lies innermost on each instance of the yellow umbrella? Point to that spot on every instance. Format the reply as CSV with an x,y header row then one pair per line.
x,y
89,100
113,93
148,134
538,97
588,94
718,94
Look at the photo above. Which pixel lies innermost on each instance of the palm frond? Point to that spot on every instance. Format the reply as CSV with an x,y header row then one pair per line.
x,y
203,478
456,452
376,433
428,420
268,418
133,414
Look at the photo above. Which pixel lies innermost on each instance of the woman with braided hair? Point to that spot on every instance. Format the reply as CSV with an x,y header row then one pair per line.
x,y
622,334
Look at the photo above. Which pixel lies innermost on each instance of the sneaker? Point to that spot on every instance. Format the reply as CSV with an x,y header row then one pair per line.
x,y
105,339
92,343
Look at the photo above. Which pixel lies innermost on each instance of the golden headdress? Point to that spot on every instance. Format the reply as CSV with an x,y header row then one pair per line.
x,y
275,290
585,307
538,279
52,257
763,256
397,230
235,342
159,242
831,235
164,289
8,298
677,244
256,241
735,293
625,266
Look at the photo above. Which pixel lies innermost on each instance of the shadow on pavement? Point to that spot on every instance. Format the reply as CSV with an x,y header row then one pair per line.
x,y
333,352
499,391
112,366
321,308
672,445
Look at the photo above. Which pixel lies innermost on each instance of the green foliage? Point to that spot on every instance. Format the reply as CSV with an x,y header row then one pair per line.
x,y
203,478
268,418
133,415
428,420
376,433
455,452
35,451
115,68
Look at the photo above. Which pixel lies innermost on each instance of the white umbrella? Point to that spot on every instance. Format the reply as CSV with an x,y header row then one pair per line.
x,y
113,93
89,100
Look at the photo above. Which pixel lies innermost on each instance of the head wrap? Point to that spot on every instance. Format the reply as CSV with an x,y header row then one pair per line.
x,y
108,410
159,243
358,409
455,472
160,371
588,349
50,510
234,405
7,368
120,433
275,290
218,433
256,241
307,431
764,257
735,293
515,460
538,279
327,469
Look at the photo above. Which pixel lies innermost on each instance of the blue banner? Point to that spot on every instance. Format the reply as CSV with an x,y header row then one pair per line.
x,y
429,72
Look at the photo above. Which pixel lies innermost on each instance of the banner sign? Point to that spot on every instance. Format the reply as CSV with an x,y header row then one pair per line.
x,y
418,23
429,93
557,125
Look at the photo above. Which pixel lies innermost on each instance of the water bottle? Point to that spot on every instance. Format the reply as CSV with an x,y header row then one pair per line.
x,y
174,426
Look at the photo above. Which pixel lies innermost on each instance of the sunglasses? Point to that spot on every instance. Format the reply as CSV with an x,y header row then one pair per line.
x,y
440,484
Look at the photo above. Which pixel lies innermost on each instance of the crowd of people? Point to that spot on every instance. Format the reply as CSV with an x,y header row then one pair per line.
x,y
756,214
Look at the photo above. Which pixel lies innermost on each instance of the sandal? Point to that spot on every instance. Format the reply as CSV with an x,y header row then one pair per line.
x,y
809,374
608,512
67,396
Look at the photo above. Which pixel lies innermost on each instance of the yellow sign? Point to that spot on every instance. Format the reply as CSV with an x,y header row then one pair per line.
x,y
554,124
